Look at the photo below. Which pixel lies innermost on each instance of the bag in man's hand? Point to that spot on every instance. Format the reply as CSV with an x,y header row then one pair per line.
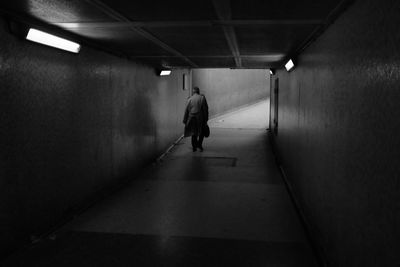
x,y
206,131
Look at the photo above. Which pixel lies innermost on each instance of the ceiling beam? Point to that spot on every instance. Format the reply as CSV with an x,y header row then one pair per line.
x,y
196,23
119,17
272,56
223,10
332,16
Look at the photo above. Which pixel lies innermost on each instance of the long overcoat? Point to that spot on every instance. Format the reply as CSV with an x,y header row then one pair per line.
x,y
196,115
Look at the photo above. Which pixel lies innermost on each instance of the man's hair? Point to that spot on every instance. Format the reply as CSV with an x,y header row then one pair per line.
x,y
196,90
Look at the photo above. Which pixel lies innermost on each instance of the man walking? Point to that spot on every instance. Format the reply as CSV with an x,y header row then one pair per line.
x,y
195,118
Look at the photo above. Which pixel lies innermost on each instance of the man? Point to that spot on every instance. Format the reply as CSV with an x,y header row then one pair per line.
x,y
195,118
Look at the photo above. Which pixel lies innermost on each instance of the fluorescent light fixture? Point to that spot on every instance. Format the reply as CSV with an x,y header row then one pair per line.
x,y
289,65
165,72
52,40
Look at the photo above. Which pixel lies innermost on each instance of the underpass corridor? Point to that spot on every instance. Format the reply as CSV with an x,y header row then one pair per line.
x,y
302,167
226,206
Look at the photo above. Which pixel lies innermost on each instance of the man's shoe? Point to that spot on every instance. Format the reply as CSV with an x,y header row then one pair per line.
x,y
194,149
201,148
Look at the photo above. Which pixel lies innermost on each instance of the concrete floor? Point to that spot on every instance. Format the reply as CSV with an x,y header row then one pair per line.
x,y
226,206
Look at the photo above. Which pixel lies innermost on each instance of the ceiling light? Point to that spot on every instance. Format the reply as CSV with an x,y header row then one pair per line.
x,y
289,65
165,72
272,71
52,40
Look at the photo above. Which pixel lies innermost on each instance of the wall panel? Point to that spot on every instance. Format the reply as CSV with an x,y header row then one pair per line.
x,y
339,134
227,89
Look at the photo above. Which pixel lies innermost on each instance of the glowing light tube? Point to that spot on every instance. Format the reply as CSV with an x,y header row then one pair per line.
x,y
165,72
289,65
52,40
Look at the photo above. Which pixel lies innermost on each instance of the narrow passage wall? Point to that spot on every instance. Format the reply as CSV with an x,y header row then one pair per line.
x,y
228,89
339,135
71,126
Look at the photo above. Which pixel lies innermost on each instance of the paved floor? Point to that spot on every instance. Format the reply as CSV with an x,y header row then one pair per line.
x,y
226,206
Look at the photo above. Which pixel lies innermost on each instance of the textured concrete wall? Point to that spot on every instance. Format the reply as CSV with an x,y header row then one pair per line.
x,y
339,135
228,89
71,125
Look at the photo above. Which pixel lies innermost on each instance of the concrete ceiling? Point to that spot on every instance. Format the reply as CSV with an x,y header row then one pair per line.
x,y
195,34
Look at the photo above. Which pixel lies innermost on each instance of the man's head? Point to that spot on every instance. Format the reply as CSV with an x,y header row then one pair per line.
x,y
196,90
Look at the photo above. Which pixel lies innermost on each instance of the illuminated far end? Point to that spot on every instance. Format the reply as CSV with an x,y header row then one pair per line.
x,y
289,65
52,40
165,72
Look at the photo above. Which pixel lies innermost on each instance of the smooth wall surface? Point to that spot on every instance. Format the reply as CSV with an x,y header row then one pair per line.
x,y
227,89
339,135
73,125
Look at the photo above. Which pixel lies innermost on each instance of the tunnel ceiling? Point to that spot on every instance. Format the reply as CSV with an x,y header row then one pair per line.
x,y
196,34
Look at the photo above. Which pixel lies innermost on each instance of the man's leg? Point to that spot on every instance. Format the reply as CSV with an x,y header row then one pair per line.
x,y
194,142
200,143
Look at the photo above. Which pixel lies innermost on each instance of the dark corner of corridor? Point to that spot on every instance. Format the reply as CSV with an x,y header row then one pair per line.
x,y
201,133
